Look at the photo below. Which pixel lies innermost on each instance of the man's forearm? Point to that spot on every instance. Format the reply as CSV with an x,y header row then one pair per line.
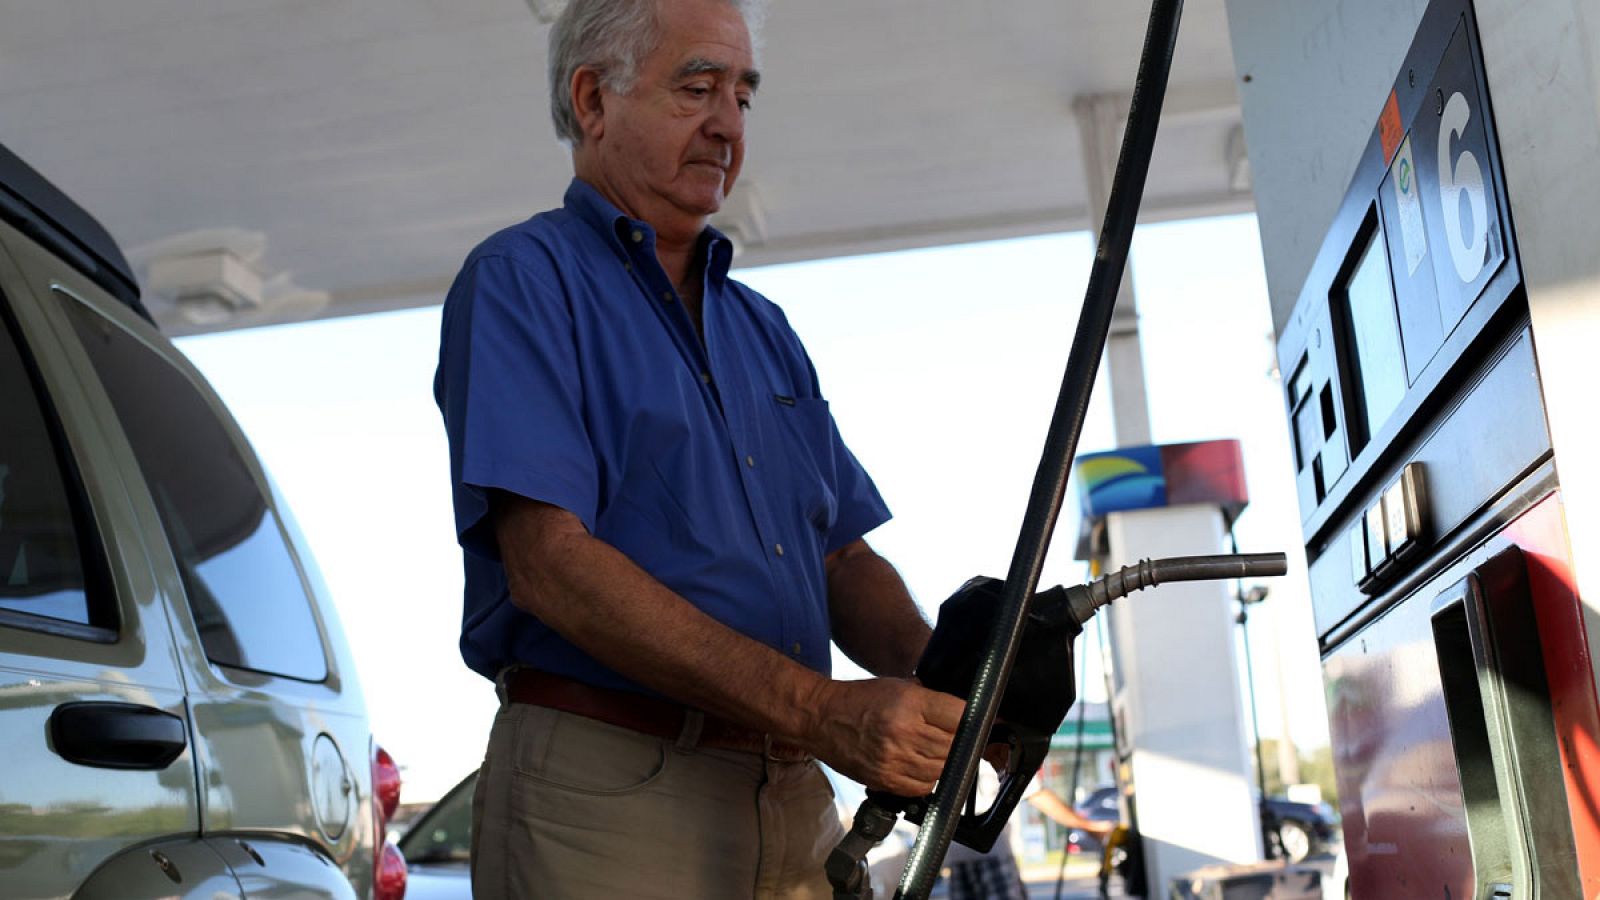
x,y
598,599
889,734
875,620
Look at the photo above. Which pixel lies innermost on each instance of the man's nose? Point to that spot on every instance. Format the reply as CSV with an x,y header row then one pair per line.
x,y
727,119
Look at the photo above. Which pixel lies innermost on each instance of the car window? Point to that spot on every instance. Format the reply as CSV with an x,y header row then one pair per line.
x,y
243,586
42,512
444,833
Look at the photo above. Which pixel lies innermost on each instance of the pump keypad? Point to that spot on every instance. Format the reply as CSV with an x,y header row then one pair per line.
x,y
1390,532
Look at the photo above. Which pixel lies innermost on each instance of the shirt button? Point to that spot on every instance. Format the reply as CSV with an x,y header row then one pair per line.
x,y
637,236
778,548
706,377
795,649
750,461
666,296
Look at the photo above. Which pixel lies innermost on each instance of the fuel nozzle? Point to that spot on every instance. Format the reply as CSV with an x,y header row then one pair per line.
x,y
1039,691
1073,606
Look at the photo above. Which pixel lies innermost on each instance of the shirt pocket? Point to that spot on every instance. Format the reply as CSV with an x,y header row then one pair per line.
x,y
804,433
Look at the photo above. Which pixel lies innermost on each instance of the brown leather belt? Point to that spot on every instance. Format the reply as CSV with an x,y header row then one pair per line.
x,y
646,715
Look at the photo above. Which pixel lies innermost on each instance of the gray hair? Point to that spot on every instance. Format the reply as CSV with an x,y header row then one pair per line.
x,y
613,37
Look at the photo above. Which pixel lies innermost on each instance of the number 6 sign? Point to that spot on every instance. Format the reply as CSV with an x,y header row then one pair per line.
x,y
1468,252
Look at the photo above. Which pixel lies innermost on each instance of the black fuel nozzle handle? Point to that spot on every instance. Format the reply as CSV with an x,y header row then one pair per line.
x,y
1037,700
1041,689
1039,693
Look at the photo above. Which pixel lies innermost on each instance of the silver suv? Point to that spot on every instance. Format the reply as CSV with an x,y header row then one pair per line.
x,y
179,709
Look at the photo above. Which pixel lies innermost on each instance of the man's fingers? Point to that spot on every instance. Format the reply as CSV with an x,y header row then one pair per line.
x,y
921,776
894,734
943,711
908,788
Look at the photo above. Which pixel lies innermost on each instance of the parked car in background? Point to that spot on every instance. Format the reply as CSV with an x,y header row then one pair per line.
x,y
181,711
437,847
1099,806
1304,829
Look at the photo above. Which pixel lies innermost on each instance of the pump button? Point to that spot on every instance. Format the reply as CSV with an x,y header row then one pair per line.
x,y
1377,551
1392,530
1358,551
1402,512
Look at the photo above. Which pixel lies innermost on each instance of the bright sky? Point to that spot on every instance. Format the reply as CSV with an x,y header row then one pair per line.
x,y
942,368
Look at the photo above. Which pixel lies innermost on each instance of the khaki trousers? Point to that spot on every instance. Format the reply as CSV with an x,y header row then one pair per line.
x,y
569,807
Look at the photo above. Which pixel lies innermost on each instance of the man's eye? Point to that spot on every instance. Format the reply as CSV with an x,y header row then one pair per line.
x,y
744,103
698,90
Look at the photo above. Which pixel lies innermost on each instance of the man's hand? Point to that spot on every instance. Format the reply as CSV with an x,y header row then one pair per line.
x,y
890,734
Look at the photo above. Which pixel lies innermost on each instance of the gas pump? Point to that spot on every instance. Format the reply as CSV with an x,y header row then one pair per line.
x,y
1460,683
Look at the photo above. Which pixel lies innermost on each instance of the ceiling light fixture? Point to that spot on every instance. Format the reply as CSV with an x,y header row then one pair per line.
x,y
208,286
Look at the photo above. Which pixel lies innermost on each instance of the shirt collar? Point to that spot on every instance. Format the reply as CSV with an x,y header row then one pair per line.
x,y
617,228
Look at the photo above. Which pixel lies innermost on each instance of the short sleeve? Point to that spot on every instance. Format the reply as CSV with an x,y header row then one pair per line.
x,y
861,507
510,389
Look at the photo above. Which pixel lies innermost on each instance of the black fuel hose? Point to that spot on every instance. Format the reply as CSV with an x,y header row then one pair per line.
x,y
1061,445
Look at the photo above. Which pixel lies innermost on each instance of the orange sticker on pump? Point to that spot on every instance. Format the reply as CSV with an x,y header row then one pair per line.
x,y
1389,130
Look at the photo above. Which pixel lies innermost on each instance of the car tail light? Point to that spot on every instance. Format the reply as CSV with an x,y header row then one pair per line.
x,y
388,864
389,881
385,784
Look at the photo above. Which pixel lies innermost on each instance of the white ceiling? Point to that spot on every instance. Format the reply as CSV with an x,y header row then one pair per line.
x,y
359,148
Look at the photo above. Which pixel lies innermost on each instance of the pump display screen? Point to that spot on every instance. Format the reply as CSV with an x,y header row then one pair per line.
x,y
1375,335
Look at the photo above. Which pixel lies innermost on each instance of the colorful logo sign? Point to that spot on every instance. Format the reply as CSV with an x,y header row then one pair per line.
x,y
1120,480
1170,475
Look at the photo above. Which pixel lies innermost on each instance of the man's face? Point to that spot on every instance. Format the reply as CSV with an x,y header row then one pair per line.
x,y
672,147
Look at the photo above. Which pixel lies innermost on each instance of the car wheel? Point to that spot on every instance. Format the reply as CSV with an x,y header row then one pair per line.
x,y
1294,839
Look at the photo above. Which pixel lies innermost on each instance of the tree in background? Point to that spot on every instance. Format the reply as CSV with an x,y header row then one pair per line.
x,y
1316,767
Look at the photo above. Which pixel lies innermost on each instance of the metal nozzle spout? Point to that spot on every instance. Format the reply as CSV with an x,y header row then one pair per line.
x,y
1085,600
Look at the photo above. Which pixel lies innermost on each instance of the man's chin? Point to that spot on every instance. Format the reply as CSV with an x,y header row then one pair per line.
x,y
699,204
706,189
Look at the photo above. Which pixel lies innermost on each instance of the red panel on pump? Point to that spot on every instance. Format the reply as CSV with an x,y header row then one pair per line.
x,y
1542,534
1405,826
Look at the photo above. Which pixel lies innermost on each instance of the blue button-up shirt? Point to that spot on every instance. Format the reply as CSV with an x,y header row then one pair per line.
x,y
570,373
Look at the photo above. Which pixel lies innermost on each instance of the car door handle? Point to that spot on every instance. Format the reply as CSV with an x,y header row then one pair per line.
x,y
116,735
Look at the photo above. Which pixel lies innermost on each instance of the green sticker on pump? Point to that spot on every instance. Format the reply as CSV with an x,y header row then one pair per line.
x,y
1413,236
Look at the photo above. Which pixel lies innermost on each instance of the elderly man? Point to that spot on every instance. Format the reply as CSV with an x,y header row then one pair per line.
x,y
661,526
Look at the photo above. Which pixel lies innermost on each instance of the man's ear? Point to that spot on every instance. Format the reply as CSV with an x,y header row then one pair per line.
x,y
588,102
